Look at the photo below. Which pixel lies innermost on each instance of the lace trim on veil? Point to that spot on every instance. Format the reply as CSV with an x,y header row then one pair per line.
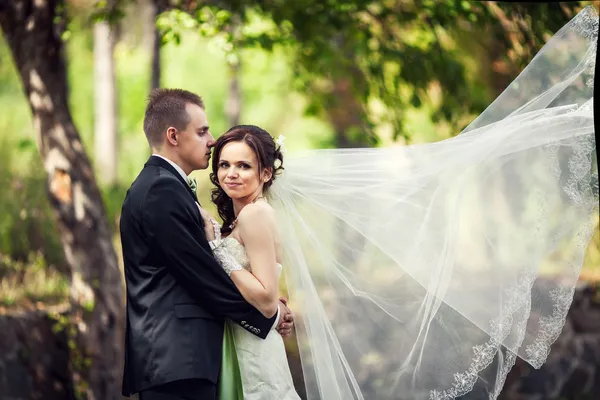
x,y
518,298
518,303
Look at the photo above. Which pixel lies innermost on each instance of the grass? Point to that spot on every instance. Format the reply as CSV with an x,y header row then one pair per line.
x,y
31,284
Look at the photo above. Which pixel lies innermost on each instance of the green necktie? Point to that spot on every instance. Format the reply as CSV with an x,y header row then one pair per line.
x,y
193,186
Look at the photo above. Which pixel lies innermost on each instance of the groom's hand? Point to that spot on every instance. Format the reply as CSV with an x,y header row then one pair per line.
x,y
287,321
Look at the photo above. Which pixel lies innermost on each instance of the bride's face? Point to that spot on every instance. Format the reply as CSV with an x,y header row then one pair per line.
x,y
238,172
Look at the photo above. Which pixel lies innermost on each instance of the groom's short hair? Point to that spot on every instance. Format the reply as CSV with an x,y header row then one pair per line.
x,y
166,108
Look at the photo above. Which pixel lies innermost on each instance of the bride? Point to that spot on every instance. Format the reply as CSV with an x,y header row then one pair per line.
x,y
251,253
420,271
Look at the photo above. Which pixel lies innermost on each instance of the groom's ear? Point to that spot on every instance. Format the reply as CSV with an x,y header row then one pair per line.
x,y
172,136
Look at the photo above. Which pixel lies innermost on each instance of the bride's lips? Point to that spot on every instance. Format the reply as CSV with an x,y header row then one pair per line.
x,y
232,185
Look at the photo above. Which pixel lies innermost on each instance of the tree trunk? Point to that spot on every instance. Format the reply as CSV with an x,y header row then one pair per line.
x,y
233,105
347,115
33,31
344,110
155,82
105,104
155,8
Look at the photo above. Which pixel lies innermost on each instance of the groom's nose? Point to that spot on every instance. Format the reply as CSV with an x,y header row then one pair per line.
x,y
211,140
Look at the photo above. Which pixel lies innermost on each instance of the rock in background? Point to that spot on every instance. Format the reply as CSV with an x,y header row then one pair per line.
x,y
572,370
34,358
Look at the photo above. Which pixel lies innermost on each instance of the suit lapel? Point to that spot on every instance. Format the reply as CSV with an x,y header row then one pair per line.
x,y
157,161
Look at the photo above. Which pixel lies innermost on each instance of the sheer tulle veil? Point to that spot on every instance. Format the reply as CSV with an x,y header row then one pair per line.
x,y
424,271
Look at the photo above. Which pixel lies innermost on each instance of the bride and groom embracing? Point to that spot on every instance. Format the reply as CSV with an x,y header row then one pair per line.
x,y
417,272
203,313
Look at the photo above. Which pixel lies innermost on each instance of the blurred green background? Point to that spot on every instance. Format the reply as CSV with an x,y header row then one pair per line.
x,y
274,93
340,73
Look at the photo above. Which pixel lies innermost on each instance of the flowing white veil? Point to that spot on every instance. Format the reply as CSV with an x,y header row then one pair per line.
x,y
423,271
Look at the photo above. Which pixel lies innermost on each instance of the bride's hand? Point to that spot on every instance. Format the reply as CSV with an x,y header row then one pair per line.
x,y
208,219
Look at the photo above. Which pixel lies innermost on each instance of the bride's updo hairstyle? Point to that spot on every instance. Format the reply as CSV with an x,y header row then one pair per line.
x,y
267,154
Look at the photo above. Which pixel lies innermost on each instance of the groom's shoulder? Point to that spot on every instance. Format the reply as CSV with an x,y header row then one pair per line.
x,y
152,180
151,174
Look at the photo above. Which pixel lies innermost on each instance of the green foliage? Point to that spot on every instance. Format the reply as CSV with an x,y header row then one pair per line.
x,y
27,282
27,225
175,23
113,200
31,254
111,11
393,51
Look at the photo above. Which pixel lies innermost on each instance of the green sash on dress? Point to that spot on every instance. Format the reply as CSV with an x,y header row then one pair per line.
x,y
230,382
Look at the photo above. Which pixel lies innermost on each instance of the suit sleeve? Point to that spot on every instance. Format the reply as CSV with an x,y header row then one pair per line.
x,y
177,229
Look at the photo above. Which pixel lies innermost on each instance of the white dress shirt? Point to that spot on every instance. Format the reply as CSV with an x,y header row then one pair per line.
x,y
185,178
177,167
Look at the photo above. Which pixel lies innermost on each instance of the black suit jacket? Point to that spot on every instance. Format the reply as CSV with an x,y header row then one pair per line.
x,y
177,293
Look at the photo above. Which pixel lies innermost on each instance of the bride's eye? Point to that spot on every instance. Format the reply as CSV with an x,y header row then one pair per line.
x,y
223,165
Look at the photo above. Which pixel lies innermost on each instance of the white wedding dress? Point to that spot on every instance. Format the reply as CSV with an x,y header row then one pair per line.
x,y
263,363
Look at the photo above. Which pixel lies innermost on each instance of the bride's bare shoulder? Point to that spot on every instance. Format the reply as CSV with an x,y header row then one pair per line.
x,y
260,213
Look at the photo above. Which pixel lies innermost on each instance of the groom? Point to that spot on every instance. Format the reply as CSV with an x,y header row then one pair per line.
x,y
177,293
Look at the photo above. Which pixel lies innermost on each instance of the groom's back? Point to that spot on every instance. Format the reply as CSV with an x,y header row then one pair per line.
x,y
137,243
167,331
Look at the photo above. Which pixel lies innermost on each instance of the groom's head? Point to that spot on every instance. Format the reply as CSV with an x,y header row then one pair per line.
x,y
176,127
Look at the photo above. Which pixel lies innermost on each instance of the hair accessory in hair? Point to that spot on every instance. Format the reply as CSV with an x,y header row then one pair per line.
x,y
279,142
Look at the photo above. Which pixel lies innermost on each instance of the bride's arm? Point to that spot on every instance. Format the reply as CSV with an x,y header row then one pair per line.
x,y
257,231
